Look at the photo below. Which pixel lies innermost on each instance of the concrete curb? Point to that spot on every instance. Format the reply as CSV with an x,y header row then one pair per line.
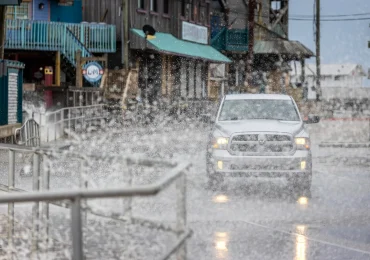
x,y
345,145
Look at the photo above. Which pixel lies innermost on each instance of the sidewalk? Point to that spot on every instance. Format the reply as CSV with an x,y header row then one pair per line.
x,y
345,145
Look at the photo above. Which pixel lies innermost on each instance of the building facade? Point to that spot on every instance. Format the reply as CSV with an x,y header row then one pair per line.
x,y
46,34
175,62
272,48
337,76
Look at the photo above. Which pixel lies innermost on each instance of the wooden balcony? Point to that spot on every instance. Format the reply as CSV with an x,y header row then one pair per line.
x,y
56,36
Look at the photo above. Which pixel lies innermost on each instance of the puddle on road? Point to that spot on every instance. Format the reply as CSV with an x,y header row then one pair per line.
x,y
221,240
300,243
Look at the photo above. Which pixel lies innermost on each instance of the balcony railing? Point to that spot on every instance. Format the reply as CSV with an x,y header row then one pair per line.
x,y
53,36
231,40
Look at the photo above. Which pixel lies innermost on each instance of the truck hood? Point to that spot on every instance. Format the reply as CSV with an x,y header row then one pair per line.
x,y
229,128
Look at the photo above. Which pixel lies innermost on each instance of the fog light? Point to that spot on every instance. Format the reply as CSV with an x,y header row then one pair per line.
x,y
303,165
220,165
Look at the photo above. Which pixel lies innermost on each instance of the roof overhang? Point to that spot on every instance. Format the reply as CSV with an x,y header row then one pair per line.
x,y
10,2
289,49
168,44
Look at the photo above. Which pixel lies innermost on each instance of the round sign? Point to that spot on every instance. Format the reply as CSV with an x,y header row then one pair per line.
x,y
93,72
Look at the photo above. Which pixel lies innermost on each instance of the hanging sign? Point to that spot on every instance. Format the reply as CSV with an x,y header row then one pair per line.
x,y
93,72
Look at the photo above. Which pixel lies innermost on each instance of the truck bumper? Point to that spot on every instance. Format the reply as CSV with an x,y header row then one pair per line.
x,y
221,162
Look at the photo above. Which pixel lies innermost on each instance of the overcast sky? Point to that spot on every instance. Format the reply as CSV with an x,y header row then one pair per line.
x,y
341,41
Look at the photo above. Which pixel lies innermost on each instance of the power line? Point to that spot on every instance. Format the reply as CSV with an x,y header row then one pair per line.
x,y
331,20
312,19
332,15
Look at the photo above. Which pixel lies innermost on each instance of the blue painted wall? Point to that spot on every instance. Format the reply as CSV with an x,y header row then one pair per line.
x,y
41,15
66,14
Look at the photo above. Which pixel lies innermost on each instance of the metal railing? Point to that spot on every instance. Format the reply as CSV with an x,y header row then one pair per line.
x,y
67,118
28,134
175,174
52,36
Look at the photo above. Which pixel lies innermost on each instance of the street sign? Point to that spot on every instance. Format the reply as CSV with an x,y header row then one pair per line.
x,y
10,2
93,72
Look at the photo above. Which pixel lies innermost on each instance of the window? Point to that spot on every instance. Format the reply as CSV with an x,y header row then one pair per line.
x,y
18,12
208,13
154,5
268,109
337,78
165,6
193,10
141,4
183,8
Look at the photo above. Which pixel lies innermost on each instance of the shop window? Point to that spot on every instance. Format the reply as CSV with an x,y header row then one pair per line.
x,y
194,11
18,12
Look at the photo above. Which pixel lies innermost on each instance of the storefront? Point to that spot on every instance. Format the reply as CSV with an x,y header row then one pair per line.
x,y
175,69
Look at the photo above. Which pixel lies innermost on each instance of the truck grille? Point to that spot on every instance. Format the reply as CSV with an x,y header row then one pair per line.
x,y
261,144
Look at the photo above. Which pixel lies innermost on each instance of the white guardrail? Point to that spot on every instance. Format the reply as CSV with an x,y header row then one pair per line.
x,y
53,124
176,173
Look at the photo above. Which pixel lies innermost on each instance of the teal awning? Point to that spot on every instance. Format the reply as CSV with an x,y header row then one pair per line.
x,y
167,43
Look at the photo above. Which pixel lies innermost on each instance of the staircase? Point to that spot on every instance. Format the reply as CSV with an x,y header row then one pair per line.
x,y
67,38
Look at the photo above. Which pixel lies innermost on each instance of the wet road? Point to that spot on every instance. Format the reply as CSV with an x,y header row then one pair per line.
x,y
249,219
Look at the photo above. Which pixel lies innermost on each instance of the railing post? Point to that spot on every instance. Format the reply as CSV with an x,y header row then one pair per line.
x,y
35,209
45,206
55,126
127,201
76,229
181,213
11,181
84,184
69,122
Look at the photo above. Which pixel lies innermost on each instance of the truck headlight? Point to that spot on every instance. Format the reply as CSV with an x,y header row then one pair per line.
x,y
220,143
302,143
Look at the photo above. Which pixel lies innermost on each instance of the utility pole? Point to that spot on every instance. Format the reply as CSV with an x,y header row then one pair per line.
x,y
250,57
318,58
2,30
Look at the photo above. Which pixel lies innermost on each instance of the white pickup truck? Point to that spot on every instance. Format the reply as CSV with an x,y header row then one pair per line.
x,y
260,135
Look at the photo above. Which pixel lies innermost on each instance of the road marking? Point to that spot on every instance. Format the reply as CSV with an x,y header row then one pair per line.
x,y
308,238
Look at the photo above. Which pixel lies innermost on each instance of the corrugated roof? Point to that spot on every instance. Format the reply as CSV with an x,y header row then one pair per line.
x,y
329,69
283,47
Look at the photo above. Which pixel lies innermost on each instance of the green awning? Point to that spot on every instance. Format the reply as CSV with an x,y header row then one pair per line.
x,y
167,43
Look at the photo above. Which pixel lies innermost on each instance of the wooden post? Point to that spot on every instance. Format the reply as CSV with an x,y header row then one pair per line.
x,y
250,56
2,30
57,69
78,70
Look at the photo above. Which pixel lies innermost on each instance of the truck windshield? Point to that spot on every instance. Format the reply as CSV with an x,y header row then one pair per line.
x,y
269,109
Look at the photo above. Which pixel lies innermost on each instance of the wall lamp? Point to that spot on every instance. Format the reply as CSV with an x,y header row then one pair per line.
x,y
41,6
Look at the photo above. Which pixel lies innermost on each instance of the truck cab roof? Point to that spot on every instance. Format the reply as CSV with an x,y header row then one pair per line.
x,y
257,96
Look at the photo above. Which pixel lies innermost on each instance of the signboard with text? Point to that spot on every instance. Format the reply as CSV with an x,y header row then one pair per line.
x,y
194,33
93,72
